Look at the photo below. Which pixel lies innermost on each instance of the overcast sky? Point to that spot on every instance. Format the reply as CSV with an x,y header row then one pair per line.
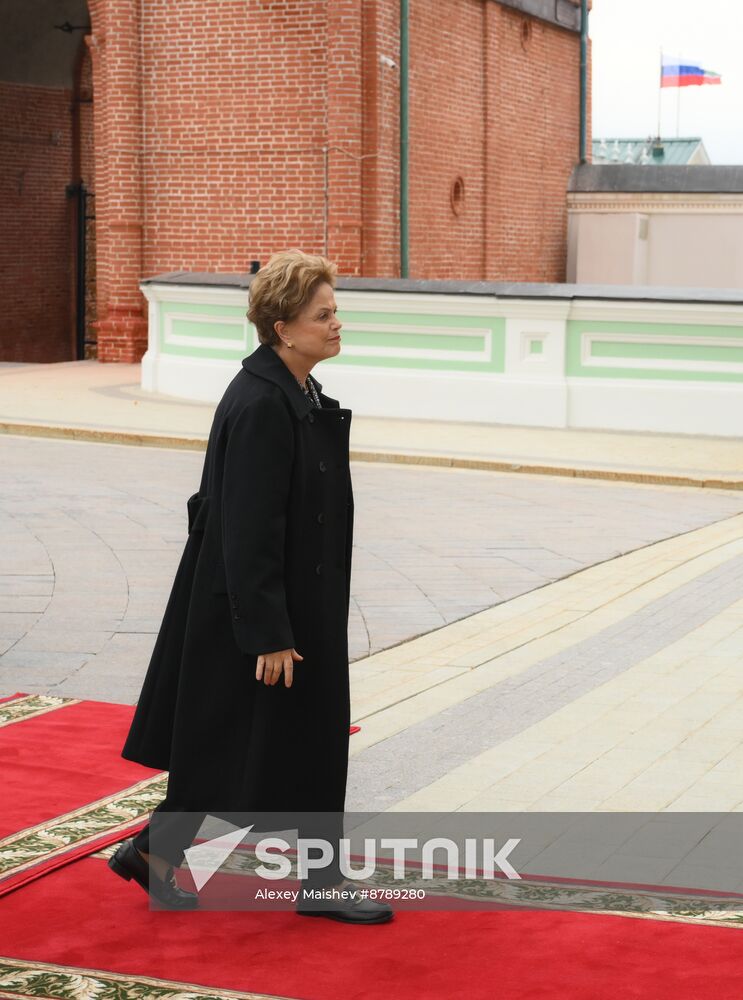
x,y
626,39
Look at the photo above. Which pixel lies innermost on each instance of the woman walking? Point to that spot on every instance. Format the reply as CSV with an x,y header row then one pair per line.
x,y
246,699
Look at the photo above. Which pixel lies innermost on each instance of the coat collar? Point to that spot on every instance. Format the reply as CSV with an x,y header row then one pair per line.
x,y
266,363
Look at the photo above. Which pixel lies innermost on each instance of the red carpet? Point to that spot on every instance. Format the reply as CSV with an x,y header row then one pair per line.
x,y
66,790
82,916
79,931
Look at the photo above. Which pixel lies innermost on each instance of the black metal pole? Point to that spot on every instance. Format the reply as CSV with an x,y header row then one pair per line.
x,y
82,205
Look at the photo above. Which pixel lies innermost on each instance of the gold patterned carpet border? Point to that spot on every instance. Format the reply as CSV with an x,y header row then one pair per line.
x,y
30,705
23,978
78,828
675,905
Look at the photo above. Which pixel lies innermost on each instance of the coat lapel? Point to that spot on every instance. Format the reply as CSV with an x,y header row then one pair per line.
x,y
267,364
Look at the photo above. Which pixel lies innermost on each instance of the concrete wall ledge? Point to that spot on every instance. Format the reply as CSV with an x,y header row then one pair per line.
x,y
495,289
670,178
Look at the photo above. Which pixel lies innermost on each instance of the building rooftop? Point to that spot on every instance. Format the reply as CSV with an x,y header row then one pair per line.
x,y
650,151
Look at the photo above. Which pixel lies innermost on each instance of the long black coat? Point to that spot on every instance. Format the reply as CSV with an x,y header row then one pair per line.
x,y
266,566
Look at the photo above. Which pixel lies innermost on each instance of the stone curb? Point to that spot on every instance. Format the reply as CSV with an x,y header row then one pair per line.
x,y
356,455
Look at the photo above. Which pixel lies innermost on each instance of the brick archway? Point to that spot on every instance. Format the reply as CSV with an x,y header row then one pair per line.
x,y
44,121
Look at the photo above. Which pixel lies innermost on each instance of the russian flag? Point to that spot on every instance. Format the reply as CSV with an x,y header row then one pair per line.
x,y
677,72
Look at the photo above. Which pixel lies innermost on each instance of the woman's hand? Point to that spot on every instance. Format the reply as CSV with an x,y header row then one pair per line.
x,y
270,665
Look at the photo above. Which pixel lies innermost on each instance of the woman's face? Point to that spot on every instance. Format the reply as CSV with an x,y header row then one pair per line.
x,y
315,331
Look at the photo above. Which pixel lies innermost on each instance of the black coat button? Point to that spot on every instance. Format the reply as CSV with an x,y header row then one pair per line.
x,y
318,568
311,417
236,617
321,518
322,466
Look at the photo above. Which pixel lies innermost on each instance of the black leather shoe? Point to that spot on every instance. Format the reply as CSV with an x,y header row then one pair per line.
x,y
353,908
129,864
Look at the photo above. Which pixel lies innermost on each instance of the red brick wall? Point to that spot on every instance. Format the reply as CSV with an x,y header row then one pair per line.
x,y
36,248
380,189
207,149
237,107
533,145
447,137
345,109
494,102
212,122
115,47
235,118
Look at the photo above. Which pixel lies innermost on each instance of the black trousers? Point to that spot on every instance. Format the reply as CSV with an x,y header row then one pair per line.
x,y
176,830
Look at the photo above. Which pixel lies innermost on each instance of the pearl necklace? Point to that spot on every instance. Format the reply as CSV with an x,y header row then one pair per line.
x,y
311,392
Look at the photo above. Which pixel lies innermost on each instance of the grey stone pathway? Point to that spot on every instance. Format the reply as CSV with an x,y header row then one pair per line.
x,y
92,534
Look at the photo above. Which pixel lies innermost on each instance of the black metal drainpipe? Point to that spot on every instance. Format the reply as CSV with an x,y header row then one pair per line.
x,y
80,194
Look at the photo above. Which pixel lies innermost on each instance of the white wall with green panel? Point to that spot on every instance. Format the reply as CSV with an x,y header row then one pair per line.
x,y
669,366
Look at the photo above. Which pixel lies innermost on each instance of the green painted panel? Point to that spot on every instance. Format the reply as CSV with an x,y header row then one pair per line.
x,y
649,352
669,352
388,330
195,321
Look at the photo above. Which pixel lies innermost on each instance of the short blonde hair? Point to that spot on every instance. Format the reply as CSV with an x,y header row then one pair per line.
x,y
283,286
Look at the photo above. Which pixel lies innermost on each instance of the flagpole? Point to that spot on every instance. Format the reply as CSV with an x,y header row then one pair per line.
x,y
660,89
678,108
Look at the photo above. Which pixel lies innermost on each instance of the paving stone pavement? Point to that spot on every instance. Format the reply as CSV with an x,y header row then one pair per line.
x,y
92,535
395,768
